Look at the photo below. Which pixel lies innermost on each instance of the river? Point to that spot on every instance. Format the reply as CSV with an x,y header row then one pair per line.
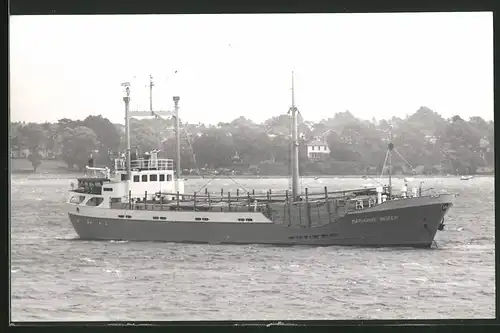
x,y
56,277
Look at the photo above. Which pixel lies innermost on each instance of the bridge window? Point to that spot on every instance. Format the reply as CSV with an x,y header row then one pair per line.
x,y
155,217
153,178
144,178
95,201
108,189
162,178
169,178
136,179
77,199
92,187
197,218
249,219
163,218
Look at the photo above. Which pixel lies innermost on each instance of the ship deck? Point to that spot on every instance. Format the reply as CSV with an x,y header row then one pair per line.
x,y
190,206
249,203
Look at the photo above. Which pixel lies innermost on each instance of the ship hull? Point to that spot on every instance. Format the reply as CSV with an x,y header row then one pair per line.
x,y
411,222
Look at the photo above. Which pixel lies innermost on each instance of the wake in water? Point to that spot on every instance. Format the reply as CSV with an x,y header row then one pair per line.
x,y
76,238
87,260
68,238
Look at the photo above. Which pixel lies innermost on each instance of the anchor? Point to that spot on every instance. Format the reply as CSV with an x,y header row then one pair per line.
x,y
441,225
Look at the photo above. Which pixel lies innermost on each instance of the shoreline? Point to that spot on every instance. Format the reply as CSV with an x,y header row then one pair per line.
x,y
23,166
330,176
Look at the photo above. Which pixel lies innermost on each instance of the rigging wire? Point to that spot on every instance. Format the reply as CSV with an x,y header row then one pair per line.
x,y
403,158
192,151
250,144
298,157
237,183
205,185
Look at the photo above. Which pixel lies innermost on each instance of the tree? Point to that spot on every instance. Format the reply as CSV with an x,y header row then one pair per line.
x,y
424,138
107,134
78,143
188,159
36,159
279,125
142,136
251,144
340,150
31,136
242,122
214,148
463,139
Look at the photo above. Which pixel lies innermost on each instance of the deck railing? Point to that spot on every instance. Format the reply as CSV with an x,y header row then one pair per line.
x,y
145,164
313,207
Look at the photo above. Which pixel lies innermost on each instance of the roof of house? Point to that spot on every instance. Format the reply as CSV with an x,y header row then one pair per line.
x,y
317,143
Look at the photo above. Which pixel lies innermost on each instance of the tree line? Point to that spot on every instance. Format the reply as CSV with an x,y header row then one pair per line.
x,y
427,143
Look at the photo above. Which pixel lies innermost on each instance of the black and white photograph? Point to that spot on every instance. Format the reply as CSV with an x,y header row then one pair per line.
x,y
244,167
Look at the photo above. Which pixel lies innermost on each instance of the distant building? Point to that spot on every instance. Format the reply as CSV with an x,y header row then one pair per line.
x,y
16,152
430,138
484,143
317,150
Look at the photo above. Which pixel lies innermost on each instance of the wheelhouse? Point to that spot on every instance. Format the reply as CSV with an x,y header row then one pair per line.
x,y
91,185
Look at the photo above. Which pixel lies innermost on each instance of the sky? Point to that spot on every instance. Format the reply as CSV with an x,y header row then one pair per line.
x,y
226,66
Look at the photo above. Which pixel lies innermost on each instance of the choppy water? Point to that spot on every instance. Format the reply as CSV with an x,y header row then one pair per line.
x,y
57,278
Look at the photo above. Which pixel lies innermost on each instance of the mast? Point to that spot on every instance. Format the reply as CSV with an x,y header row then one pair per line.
x,y
177,142
126,99
158,116
151,84
390,148
295,148
159,125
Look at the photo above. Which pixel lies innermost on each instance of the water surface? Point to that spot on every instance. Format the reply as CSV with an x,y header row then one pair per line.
x,y
57,278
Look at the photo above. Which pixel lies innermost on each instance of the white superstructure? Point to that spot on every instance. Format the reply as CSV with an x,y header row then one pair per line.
x,y
148,177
